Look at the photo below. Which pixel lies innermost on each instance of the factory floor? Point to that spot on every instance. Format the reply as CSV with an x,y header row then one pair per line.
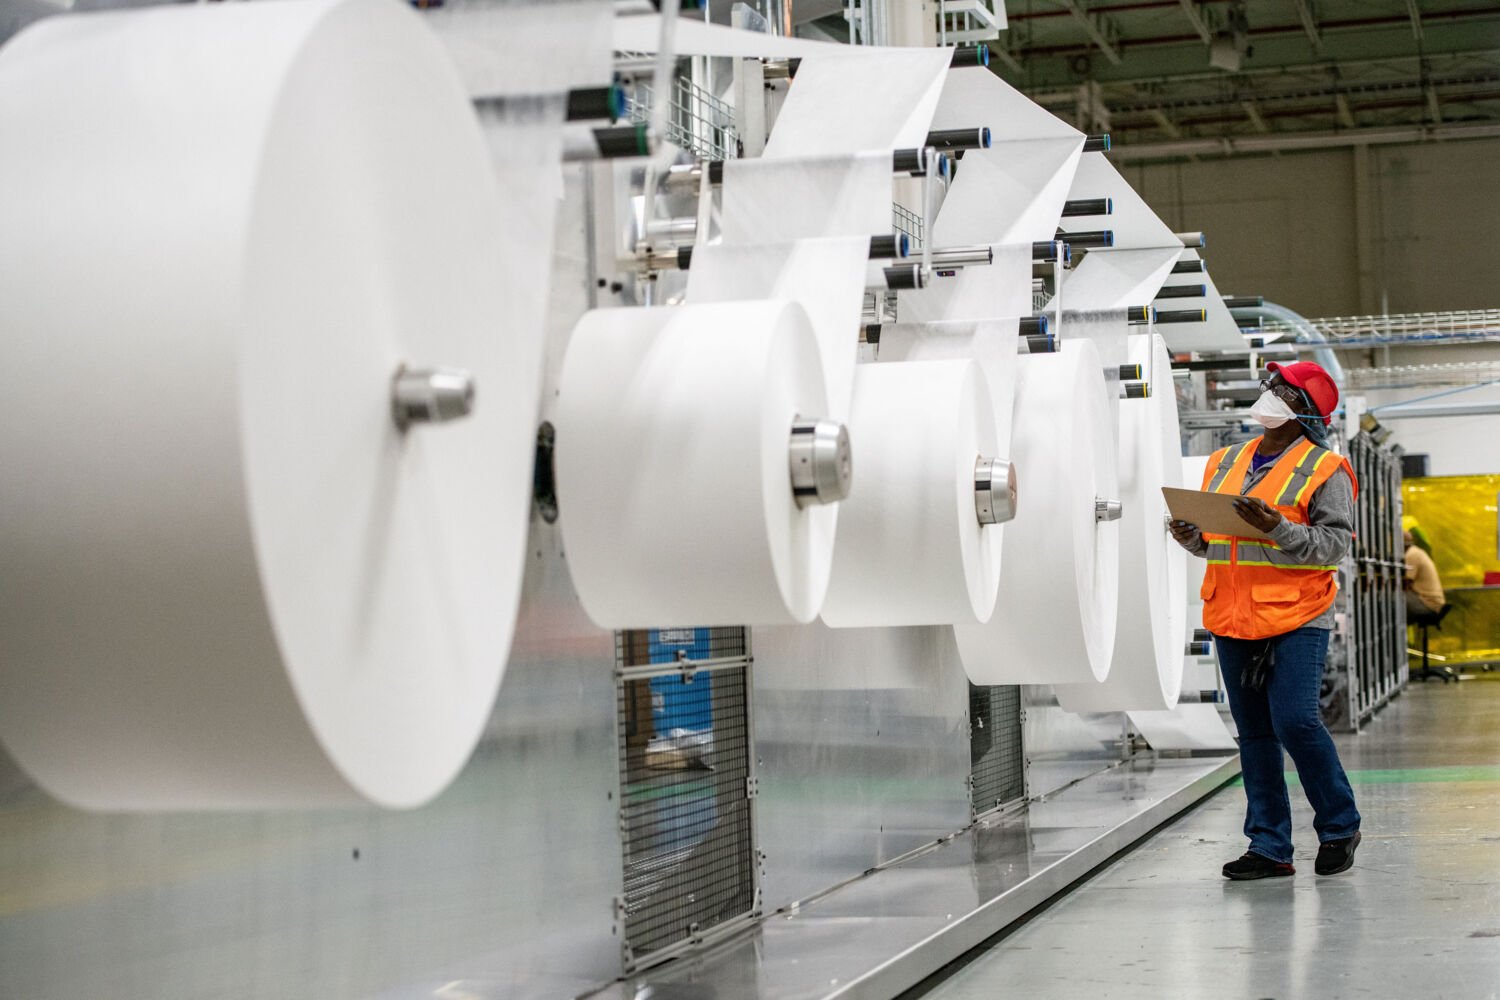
x,y
1418,916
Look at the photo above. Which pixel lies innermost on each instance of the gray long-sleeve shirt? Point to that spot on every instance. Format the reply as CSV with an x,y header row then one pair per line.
x,y
1323,541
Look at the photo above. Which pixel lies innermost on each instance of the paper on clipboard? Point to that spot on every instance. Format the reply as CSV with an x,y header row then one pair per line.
x,y
1211,512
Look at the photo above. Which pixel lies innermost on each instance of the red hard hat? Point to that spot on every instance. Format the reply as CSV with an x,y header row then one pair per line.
x,y
1313,380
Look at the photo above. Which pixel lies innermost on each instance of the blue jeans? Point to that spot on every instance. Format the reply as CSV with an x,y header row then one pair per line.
x,y
1285,714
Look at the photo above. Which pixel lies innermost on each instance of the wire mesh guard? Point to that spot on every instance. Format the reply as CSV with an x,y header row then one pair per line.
x,y
685,788
696,120
997,773
906,221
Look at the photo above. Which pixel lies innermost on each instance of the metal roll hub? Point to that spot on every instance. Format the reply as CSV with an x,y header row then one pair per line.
x,y
819,461
994,490
430,395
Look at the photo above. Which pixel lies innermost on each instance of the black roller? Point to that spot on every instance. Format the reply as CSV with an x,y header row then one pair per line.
x,y
1181,315
595,103
1033,325
1096,144
1244,301
1182,292
1092,240
625,140
959,138
684,257
1130,373
1189,267
1137,390
1088,206
1040,343
872,333
1202,635
970,55
1199,648
889,247
716,171
1140,314
909,161
904,277
1047,252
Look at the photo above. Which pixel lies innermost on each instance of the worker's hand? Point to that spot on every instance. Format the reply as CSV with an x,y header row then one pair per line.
x,y
1184,532
1257,513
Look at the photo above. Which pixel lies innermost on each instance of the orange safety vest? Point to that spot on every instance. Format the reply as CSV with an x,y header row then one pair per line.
x,y
1251,589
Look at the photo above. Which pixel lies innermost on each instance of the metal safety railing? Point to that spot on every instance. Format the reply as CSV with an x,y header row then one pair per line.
x,y
1454,327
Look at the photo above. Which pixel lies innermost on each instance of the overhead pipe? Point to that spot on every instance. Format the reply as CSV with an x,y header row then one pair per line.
x,y
1306,334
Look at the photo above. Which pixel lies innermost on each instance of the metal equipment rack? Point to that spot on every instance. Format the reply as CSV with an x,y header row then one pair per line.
x,y
1376,628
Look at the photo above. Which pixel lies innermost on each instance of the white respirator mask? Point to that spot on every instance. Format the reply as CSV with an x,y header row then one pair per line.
x,y
1270,410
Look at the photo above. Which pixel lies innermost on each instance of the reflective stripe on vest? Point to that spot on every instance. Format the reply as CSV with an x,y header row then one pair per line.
x,y
1302,475
1264,552
1226,462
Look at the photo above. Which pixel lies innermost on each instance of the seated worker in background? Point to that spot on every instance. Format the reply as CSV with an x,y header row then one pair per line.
x,y
1269,604
1424,590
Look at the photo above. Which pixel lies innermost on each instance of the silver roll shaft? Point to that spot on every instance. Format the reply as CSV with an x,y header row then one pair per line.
x,y
430,395
1108,510
994,490
819,461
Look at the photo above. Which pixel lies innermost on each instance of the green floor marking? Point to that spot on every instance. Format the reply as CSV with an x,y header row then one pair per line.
x,y
1416,775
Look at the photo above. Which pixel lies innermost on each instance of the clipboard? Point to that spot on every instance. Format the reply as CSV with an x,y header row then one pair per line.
x,y
1211,512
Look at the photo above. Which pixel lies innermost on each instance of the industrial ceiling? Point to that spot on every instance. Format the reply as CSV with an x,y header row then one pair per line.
x,y
1171,78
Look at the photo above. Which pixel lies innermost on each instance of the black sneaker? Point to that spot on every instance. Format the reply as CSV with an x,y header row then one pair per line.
x,y
1254,865
1336,855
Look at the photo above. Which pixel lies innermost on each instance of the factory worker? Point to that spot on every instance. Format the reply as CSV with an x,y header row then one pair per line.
x,y
1269,604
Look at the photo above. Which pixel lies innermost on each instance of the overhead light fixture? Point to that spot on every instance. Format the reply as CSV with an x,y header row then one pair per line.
x,y
1231,43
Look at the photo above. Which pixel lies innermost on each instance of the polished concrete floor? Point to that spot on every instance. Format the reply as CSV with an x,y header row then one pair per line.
x,y
1418,916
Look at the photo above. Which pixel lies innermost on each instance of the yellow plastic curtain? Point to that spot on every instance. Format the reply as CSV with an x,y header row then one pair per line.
x,y
1459,516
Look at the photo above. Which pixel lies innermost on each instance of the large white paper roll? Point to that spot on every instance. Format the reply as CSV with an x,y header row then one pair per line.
x,y
1147,668
231,582
989,343
1054,620
824,276
673,476
911,549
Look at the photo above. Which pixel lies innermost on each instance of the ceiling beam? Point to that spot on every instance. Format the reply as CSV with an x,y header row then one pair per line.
x,y
1414,11
1165,124
1285,141
1102,30
1044,95
1252,112
1309,19
1199,19
1346,115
